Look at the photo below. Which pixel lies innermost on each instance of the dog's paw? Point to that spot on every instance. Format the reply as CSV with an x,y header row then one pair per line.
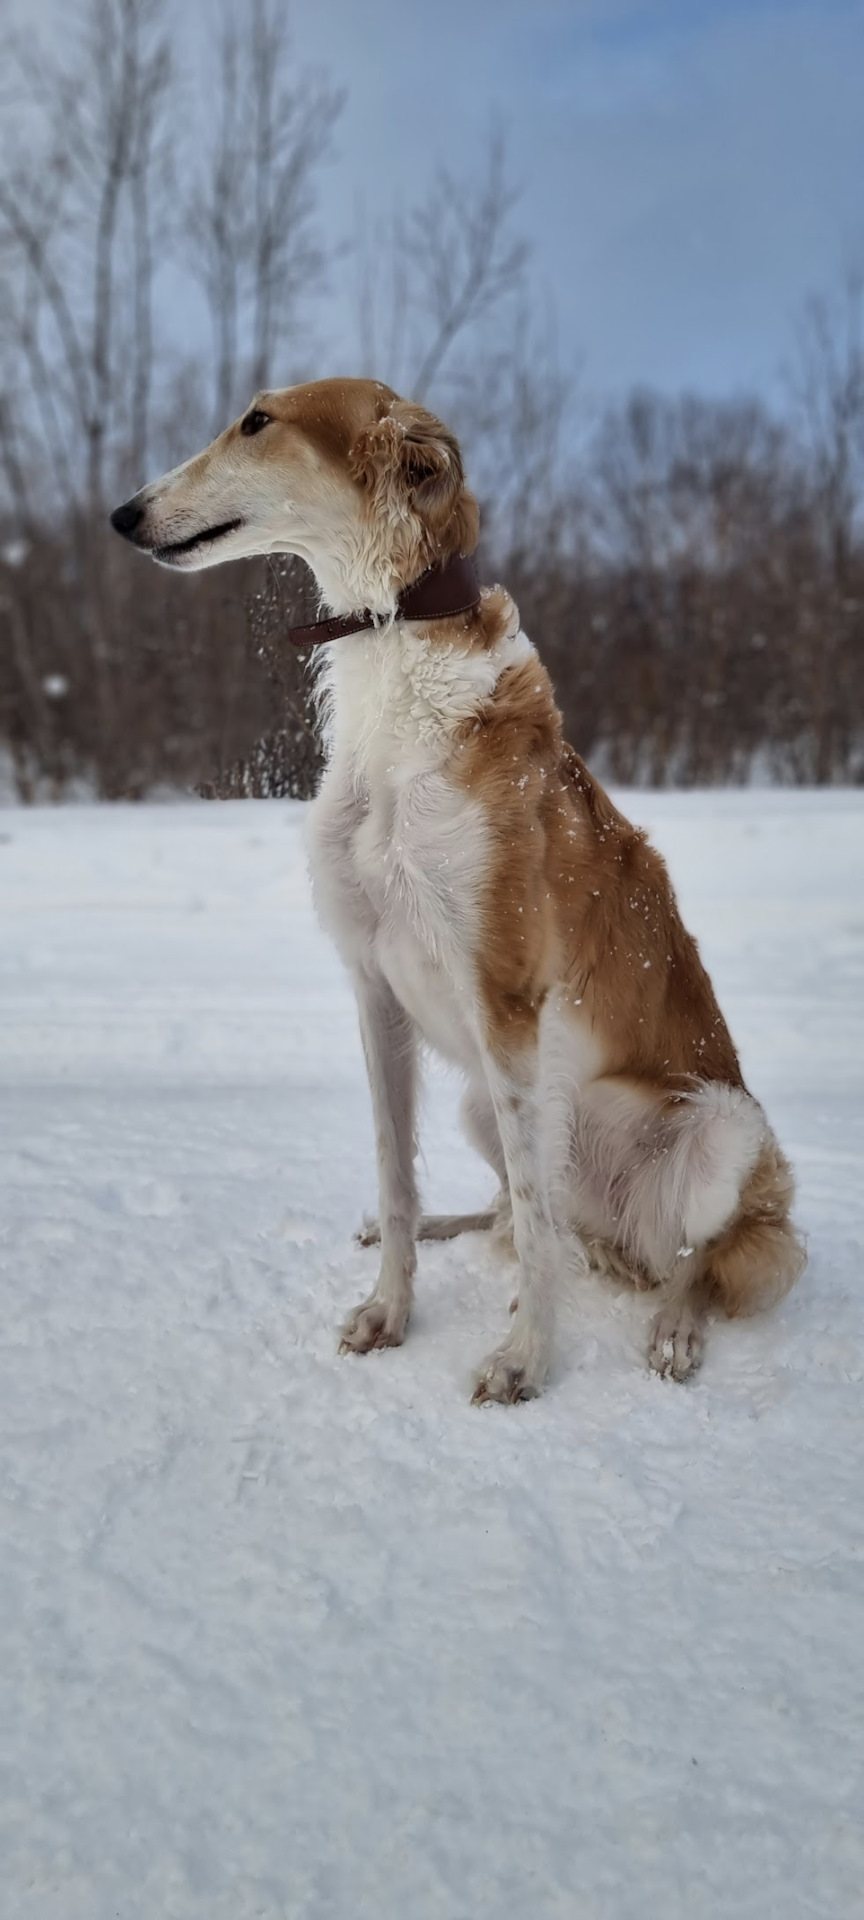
x,y
508,1376
376,1323
369,1234
676,1344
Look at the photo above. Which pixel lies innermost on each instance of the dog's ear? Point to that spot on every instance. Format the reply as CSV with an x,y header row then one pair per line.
x,y
411,466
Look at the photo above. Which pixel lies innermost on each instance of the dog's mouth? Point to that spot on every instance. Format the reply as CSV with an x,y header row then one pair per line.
x,y
178,549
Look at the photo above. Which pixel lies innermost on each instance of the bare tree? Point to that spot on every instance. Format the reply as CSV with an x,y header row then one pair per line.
x,y
828,385
252,224
516,411
451,262
149,163
218,225
75,232
463,257
685,480
78,322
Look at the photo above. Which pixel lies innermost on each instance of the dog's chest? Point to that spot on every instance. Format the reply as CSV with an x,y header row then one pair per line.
x,y
401,850
401,875
420,855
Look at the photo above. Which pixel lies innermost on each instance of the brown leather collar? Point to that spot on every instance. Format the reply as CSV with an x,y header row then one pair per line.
x,y
439,594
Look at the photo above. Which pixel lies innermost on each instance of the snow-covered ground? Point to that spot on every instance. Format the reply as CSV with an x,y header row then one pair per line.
x,y
289,1635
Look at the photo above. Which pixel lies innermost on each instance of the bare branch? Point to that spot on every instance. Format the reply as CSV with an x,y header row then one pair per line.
x,y
828,386
466,261
14,468
77,229
34,247
255,251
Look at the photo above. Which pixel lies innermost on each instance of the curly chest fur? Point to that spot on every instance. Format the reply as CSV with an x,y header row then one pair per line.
x,y
398,867
399,851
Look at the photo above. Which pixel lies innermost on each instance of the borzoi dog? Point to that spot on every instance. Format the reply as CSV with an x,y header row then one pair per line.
x,y
487,897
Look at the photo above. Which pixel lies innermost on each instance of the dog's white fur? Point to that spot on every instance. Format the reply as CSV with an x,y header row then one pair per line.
x,y
396,852
662,1178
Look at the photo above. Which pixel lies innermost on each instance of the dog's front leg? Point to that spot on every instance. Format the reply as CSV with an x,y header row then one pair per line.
x,y
390,1046
517,1369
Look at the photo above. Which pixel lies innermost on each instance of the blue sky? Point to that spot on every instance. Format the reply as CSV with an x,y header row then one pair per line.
x,y
690,171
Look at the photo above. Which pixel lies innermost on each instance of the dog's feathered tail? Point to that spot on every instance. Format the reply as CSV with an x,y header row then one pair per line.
x,y
761,1254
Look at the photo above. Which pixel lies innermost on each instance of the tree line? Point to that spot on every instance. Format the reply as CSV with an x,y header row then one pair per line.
x,y
692,570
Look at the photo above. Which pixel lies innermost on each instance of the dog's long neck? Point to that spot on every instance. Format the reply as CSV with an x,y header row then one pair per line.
x,y
399,695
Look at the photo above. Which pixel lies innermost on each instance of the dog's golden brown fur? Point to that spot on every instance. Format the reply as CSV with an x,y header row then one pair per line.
x,y
490,899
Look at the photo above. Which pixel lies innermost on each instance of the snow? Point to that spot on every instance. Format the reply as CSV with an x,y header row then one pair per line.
x,y
288,1634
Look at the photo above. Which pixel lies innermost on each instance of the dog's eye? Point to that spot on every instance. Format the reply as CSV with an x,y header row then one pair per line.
x,y
254,421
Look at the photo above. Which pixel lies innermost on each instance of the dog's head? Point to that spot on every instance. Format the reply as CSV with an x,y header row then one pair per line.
x,y
368,488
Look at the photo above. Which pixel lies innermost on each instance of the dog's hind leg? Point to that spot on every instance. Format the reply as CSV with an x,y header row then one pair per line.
x,y
480,1125
604,1257
481,1128
434,1226
675,1347
688,1184
753,1261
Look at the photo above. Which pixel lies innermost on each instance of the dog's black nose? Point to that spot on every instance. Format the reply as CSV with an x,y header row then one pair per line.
x,y
126,518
